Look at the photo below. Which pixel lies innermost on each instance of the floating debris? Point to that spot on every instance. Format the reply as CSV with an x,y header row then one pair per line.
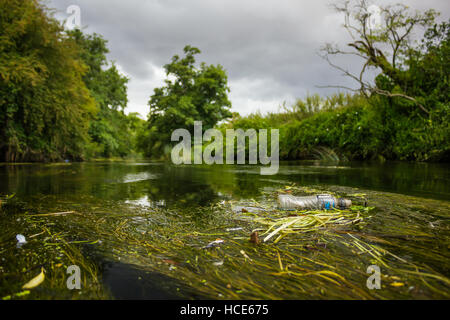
x,y
254,237
234,229
33,283
213,244
246,209
321,201
218,263
245,255
397,284
21,240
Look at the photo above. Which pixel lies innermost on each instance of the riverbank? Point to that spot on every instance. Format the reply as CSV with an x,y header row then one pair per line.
x,y
353,127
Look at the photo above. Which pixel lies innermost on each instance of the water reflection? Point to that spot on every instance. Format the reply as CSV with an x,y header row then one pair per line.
x,y
161,184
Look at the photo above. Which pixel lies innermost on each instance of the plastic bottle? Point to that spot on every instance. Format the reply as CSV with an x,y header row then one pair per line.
x,y
317,202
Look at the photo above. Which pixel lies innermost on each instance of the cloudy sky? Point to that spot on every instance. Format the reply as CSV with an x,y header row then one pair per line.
x,y
268,47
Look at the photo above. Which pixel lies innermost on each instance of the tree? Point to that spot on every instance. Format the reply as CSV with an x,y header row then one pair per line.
x,y
45,107
110,130
389,48
428,66
193,94
409,52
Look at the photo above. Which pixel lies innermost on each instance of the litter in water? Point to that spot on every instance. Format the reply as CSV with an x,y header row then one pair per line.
x,y
21,240
234,229
214,243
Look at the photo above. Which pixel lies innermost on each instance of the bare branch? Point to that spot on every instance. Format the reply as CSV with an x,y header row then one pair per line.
x,y
339,87
400,95
368,45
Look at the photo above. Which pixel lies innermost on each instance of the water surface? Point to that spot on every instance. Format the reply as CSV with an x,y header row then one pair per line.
x,y
142,226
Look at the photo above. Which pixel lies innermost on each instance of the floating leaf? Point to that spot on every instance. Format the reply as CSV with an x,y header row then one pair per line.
x,y
397,284
33,283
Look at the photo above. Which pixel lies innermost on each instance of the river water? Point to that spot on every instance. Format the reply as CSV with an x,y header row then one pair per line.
x,y
138,231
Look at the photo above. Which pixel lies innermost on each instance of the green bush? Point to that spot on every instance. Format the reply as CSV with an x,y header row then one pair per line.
x,y
357,129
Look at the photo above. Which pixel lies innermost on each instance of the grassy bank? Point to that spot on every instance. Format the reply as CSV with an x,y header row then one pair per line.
x,y
355,128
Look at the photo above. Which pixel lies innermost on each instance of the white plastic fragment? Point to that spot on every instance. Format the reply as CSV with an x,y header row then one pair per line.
x,y
215,243
233,229
21,239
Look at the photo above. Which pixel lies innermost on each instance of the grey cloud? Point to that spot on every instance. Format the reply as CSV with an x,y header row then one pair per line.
x,y
270,44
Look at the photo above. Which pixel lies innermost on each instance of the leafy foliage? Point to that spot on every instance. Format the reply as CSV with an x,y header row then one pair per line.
x,y
383,122
110,129
44,105
194,94
59,96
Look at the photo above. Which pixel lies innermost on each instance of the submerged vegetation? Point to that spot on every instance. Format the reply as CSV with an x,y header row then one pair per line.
x,y
301,254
